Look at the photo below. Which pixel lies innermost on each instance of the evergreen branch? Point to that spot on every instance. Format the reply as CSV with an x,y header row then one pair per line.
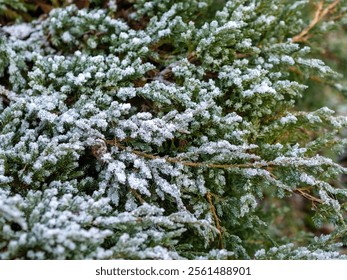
x,y
319,15
258,164
145,74
189,163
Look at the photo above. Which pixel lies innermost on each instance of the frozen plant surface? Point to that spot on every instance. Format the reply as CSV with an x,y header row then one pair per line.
x,y
163,130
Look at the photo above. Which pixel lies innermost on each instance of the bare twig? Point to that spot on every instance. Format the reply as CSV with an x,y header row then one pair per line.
x,y
320,13
216,219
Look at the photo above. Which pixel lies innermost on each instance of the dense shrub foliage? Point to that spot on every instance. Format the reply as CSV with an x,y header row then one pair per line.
x,y
167,130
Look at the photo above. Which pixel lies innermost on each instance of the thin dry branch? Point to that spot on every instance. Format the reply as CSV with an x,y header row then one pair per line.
x,y
320,13
138,196
306,195
313,78
216,219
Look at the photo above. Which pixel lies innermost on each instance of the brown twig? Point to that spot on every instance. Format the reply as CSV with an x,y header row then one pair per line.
x,y
339,16
244,55
138,196
320,13
189,163
216,219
